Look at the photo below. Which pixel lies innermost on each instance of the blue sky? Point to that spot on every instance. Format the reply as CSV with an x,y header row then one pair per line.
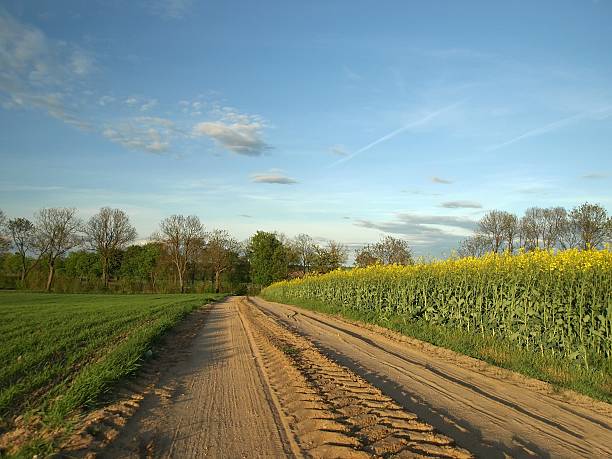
x,y
343,120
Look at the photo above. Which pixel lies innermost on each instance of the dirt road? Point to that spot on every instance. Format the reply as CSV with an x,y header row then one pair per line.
x,y
258,379
491,412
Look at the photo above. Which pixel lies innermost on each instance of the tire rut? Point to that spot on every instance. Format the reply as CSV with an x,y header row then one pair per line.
x,y
333,412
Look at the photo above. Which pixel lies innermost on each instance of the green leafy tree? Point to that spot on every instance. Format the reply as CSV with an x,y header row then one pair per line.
x,y
82,265
142,262
268,257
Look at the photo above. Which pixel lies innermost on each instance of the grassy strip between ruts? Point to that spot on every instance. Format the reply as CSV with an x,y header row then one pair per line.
x,y
61,353
595,381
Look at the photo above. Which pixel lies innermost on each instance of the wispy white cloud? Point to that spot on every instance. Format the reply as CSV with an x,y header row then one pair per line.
x,y
234,131
350,74
131,101
38,72
441,181
148,105
420,193
149,134
81,63
274,176
169,9
595,176
339,150
106,100
461,205
599,114
413,124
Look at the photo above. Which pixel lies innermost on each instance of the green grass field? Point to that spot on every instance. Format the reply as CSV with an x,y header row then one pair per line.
x,y
60,353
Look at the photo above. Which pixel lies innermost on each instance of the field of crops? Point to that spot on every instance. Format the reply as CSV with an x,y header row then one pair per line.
x,y
61,352
559,304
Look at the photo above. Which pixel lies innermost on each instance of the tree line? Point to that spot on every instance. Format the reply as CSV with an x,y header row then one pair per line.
x,y
101,253
583,227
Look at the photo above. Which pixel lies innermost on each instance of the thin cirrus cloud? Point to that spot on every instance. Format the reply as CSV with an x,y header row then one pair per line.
x,y
273,177
461,205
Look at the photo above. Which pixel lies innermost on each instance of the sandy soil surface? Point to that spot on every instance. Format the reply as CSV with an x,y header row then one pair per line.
x,y
489,411
240,384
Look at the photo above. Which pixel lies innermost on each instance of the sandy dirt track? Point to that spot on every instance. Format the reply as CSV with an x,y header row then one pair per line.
x,y
489,411
246,386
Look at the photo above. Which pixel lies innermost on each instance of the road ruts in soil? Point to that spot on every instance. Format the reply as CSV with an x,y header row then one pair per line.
x,y
332,412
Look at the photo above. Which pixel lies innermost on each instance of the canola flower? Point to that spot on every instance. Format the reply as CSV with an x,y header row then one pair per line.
x,y
552,302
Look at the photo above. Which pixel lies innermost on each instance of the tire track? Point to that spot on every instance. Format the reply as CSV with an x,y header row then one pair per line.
x,y
331,411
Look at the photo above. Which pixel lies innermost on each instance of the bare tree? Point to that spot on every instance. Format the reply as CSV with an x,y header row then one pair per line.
x,y
365,257
474,246
5,242
23,234
57,232
529,228
107,232
543,228
554,224
304,247
328,258
491,225
389,250
182,238
220,253
510,229
589,224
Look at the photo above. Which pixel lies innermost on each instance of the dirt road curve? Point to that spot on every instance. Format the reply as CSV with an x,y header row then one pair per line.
x,y
259,379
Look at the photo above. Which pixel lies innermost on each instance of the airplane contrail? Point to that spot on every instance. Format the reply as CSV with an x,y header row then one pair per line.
x,y
552,126
392,134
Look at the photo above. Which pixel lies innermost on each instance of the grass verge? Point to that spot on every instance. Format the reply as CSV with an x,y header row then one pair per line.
x,y
595,382
61,353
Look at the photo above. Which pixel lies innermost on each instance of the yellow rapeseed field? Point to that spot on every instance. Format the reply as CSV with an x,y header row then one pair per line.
x,y
552,302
